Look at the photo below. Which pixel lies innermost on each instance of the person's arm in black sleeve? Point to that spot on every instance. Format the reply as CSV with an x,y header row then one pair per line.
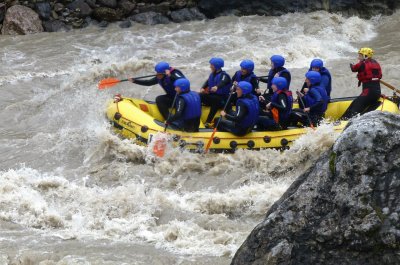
x,y
179,110
239,114
263,79
225,80
254,83
282,102
205,85
149,82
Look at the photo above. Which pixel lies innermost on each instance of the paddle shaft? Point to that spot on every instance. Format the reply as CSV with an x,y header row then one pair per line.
x,y
169,113
390,86
139,77
216,126
302,102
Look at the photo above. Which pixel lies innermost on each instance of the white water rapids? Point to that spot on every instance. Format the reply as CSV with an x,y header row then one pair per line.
x,y
72,192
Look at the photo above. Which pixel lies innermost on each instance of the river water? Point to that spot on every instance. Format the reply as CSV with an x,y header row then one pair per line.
x,y
72,192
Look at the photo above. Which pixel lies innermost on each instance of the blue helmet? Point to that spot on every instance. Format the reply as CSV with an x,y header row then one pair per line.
x,y
183,84
161,67
317,63
314,77
280,82
278,60
217,62
245,86
247,65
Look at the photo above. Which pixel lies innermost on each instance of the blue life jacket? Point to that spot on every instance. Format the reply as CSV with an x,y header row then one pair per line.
x,y
315,94
167,84
239,77
326,84
192,105
214,80
252,105
273,72
285,114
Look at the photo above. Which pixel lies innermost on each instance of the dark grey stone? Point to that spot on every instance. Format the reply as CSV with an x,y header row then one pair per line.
x,y
125,24
55,26
107,14
2,11
81,8
103,24
108,3
43,9
91,3
163,8
150,18
187,14
343,210
126,6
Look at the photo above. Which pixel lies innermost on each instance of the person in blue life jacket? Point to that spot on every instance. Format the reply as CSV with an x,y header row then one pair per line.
x,y
277,70
326,78
166,76
246,73
241,121
279,109
216,89
314,98
187,106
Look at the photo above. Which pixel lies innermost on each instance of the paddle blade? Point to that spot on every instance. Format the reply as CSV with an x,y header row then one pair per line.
x,y
108,82
159,147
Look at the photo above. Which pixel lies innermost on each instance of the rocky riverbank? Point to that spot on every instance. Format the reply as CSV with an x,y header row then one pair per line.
x,y
344,210
24,17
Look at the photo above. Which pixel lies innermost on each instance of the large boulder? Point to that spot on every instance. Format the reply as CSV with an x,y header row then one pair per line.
x,y
21,20
187,14
343,210
150,18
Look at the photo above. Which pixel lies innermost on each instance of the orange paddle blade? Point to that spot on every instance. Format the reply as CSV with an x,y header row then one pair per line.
x,y
159,147
108,82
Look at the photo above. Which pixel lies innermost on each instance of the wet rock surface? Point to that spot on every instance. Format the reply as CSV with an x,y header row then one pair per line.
x,y
363,8
75,13
344,210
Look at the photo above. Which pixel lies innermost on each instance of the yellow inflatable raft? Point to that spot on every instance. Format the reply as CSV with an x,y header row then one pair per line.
x,y
141,120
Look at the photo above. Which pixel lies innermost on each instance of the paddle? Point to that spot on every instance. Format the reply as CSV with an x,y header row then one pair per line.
x,y
390,86
302,102
159,145
216,126
112,81
169,113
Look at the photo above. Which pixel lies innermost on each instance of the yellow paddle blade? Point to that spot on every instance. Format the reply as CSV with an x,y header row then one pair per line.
x,y
108,82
